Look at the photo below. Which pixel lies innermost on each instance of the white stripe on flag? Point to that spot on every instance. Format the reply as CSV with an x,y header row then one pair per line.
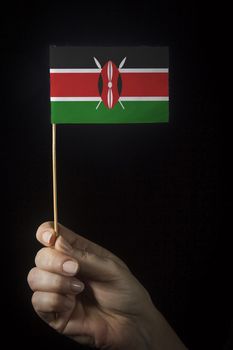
x,y
144,98
81,70
96,70
143,70
124,98
58,99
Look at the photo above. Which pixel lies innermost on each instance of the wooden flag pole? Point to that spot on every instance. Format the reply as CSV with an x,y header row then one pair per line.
x,y
54,179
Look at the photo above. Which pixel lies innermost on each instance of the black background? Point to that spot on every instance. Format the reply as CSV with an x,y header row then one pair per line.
x,y
150,193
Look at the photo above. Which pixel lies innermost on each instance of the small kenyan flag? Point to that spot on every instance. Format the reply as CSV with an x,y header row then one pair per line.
x,y
109,85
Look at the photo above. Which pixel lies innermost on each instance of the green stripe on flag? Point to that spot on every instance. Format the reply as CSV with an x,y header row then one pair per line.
x,y
82,112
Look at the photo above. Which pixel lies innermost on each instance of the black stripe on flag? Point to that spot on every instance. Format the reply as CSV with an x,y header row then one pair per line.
x,y
82,57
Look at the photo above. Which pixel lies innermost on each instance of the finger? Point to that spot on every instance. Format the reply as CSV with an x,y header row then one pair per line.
x,y
68,240
97,268
45,234
44,281
90,265
55,320
51,260
52,302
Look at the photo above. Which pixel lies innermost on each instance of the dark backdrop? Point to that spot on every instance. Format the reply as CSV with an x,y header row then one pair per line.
x,y
149,193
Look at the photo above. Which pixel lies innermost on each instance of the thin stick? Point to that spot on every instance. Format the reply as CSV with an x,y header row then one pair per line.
x,y
54,178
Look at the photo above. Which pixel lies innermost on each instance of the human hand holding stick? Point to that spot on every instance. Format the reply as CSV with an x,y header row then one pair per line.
x,y
87,293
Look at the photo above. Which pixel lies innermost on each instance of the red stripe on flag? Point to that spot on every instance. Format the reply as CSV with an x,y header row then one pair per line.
x,y
144,84
74,84
86,84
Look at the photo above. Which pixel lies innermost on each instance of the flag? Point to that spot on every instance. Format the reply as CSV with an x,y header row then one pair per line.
x,y
109,85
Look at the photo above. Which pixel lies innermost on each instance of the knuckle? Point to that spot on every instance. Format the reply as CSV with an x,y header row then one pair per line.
x,y
54,302
31,278
49,259
43,301
35,300
58,264
115,269
45,224
87,256
41,253
58,283
84,254
113,266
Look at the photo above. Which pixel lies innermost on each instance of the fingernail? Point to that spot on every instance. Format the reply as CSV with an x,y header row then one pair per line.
x,y
47,235
77,286
70,267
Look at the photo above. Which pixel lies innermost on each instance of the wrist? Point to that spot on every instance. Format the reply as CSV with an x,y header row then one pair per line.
x,y
157,333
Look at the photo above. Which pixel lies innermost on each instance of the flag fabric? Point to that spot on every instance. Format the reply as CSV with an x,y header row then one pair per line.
x,y
109,85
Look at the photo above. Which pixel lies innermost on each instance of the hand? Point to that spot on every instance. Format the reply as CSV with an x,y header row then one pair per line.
x,y
87,293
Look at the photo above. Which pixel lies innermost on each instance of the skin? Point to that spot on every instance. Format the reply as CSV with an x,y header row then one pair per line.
x,y
96,300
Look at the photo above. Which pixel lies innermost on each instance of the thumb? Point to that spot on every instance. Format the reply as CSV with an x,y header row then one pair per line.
x,y
91,265
47,236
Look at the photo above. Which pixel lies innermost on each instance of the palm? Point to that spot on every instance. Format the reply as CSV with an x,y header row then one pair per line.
x,y
102,311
